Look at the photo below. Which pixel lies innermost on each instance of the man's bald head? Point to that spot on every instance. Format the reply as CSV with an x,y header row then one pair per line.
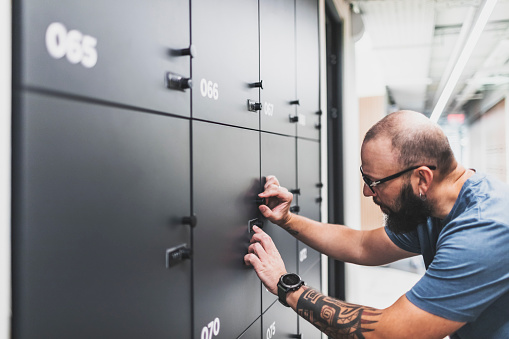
x,y
415,140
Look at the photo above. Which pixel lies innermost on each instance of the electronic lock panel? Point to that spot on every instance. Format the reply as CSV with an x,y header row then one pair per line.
x,y
279,158
308,70
277,66
99,247
309,198
134,53
226,182
226,65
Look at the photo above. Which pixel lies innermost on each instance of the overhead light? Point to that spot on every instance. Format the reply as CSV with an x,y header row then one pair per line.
x,y
484,14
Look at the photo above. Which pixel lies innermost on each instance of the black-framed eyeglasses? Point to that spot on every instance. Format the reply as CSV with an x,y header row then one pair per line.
x,y
373,183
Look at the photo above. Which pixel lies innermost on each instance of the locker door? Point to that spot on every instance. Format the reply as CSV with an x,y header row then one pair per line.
x,y
227,65
279,159
313,279
226,172
308,178
109,50
307,67
99,194
253,332
279,322
277,65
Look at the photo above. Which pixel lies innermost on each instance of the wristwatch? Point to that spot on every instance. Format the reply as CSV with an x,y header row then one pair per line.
x,y
288,282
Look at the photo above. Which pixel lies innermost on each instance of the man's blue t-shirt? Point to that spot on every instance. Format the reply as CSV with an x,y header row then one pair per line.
x,y
467,260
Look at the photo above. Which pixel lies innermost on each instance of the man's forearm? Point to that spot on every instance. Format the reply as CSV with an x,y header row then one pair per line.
x,y
336,241
333,317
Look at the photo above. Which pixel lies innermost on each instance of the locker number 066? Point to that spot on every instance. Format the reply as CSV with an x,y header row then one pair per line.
x,y
209,89
74,45
211,330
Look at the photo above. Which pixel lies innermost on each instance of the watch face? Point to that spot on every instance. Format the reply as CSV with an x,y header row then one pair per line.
x,y
291,279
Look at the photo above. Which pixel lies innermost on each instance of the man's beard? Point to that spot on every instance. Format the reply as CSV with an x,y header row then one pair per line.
x,y
411,213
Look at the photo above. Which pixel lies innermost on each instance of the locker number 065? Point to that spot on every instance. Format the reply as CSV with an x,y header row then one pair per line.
x,y
74,45
211,330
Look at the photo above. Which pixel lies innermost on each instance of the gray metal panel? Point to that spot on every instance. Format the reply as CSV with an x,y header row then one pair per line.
x,y
308,71
308,178
134,44
313,279
279,322
99,194
226,182
277,65
254,331
279,158
226,38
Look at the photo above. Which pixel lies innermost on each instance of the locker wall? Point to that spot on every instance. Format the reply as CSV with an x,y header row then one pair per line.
x,y
141,140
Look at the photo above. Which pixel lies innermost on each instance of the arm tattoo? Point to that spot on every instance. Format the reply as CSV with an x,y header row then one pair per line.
x,y
336,318
289,230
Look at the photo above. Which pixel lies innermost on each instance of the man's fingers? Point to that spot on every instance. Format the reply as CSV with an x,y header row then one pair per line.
x,y
253,260
258,250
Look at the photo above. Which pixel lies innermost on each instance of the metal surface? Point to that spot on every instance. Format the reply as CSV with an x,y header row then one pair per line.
x,y
226,183
312,279
279,322
308,178
99,195
226,37
278,154
132,51
308,71
277,65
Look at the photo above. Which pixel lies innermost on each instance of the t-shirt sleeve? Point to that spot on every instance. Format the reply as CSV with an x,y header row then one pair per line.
x,y
469,272
406,241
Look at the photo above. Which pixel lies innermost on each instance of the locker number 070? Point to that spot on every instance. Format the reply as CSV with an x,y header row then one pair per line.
x,y
211,330
74,45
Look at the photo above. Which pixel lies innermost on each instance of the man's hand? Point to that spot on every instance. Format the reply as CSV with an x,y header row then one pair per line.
x,y
277,202
266,260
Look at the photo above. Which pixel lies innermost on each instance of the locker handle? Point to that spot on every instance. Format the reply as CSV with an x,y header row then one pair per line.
x,y
177,254
191,51
295,102
295,191
294,118
178,82
295,209
252,223
253,106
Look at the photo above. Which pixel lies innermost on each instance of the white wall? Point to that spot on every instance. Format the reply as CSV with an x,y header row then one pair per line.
x,y
5,167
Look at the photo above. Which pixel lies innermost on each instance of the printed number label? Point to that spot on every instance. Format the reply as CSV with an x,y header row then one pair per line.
x,y
209,89
268,109
271,330
74,45
211,330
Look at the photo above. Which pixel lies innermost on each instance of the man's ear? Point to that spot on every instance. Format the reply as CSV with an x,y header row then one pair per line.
x,y
423,178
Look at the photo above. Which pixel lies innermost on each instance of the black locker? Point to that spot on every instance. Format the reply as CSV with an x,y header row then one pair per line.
x,y
277,65
279,158
308,70
309,198
109,50
253,332
279,322
99,194
226,172
312,278
225,69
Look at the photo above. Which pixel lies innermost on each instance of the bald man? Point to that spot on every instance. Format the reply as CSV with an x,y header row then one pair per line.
x,y
457,219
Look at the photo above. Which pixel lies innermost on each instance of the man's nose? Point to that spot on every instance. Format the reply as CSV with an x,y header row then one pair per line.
x,y
366,191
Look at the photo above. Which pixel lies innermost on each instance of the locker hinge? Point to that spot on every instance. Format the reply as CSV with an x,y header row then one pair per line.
x,y
295,209
295,191
191,221
177,254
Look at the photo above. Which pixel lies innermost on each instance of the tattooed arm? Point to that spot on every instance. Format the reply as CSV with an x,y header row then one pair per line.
x,y
340,319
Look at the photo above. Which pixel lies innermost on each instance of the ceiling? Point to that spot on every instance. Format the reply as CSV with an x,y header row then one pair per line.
x,y
416,41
